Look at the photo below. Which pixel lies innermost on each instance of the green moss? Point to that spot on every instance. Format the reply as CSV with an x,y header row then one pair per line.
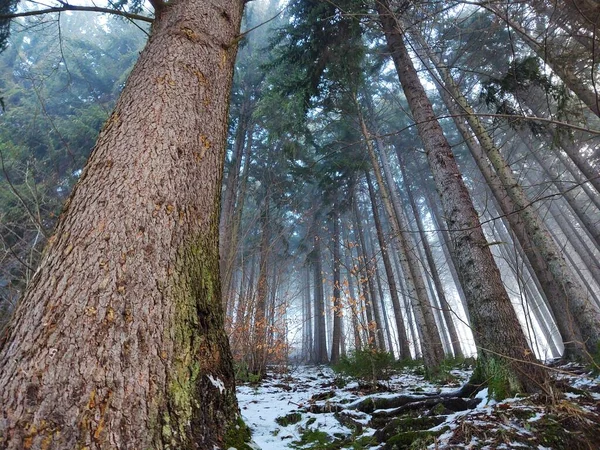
x,y
197,335
311,438
438,409
495,373
289,419
413,440
237,436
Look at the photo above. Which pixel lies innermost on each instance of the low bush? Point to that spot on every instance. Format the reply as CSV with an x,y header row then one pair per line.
x,y
368,365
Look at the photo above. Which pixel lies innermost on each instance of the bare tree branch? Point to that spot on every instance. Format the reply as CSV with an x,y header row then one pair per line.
x,y
67,7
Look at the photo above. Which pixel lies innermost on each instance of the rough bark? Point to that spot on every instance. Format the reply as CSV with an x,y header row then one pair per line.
x,y
497,332
118,342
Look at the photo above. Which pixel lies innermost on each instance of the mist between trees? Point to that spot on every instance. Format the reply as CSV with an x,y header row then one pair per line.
x,y
418,178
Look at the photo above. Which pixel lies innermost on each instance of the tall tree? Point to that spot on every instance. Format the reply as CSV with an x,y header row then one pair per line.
x,y
123,317
496,329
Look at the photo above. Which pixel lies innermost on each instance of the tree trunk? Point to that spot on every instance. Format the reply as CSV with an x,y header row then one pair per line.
x,y
260,324
498,335
353,300
308,348
445,306
404,350
320,344
230,248
431,344
371,306
576,317
337,301
118,341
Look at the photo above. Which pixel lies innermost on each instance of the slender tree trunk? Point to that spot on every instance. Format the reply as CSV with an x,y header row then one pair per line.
x,y
433,353
411,319
445,242
368,270
309,319
353,300
258,361
496,329
433,335
230,192
445,306
118,341
320,344
337,303
230,248
404,350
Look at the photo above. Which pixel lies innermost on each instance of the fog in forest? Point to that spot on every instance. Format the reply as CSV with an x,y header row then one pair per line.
x,y
418,180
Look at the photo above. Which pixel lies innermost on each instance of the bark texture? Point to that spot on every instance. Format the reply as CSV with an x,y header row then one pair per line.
x,y
119,341
498,335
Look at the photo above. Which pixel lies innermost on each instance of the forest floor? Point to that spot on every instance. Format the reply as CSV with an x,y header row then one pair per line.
x,y
311,407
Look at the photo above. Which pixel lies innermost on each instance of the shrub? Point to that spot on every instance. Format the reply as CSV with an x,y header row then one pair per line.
x,y
368,365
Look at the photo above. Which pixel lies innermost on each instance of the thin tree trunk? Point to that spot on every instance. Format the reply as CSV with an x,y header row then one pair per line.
x,y
118,341
337,303
353,299
230,249
381,298
445,306
230,192
258,361
372,305
309,319
433,353
404,350
320,344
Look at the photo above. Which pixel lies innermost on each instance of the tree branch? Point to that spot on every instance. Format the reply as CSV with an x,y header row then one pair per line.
x,y
67,7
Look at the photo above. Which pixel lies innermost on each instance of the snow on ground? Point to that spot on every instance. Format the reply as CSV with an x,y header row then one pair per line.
x,y
281,395
288,406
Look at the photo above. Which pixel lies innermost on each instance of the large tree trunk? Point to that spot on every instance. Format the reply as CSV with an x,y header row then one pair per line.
x,y
118,342
496,329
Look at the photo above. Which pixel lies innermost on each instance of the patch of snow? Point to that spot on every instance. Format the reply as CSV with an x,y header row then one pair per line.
x,y
217,382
